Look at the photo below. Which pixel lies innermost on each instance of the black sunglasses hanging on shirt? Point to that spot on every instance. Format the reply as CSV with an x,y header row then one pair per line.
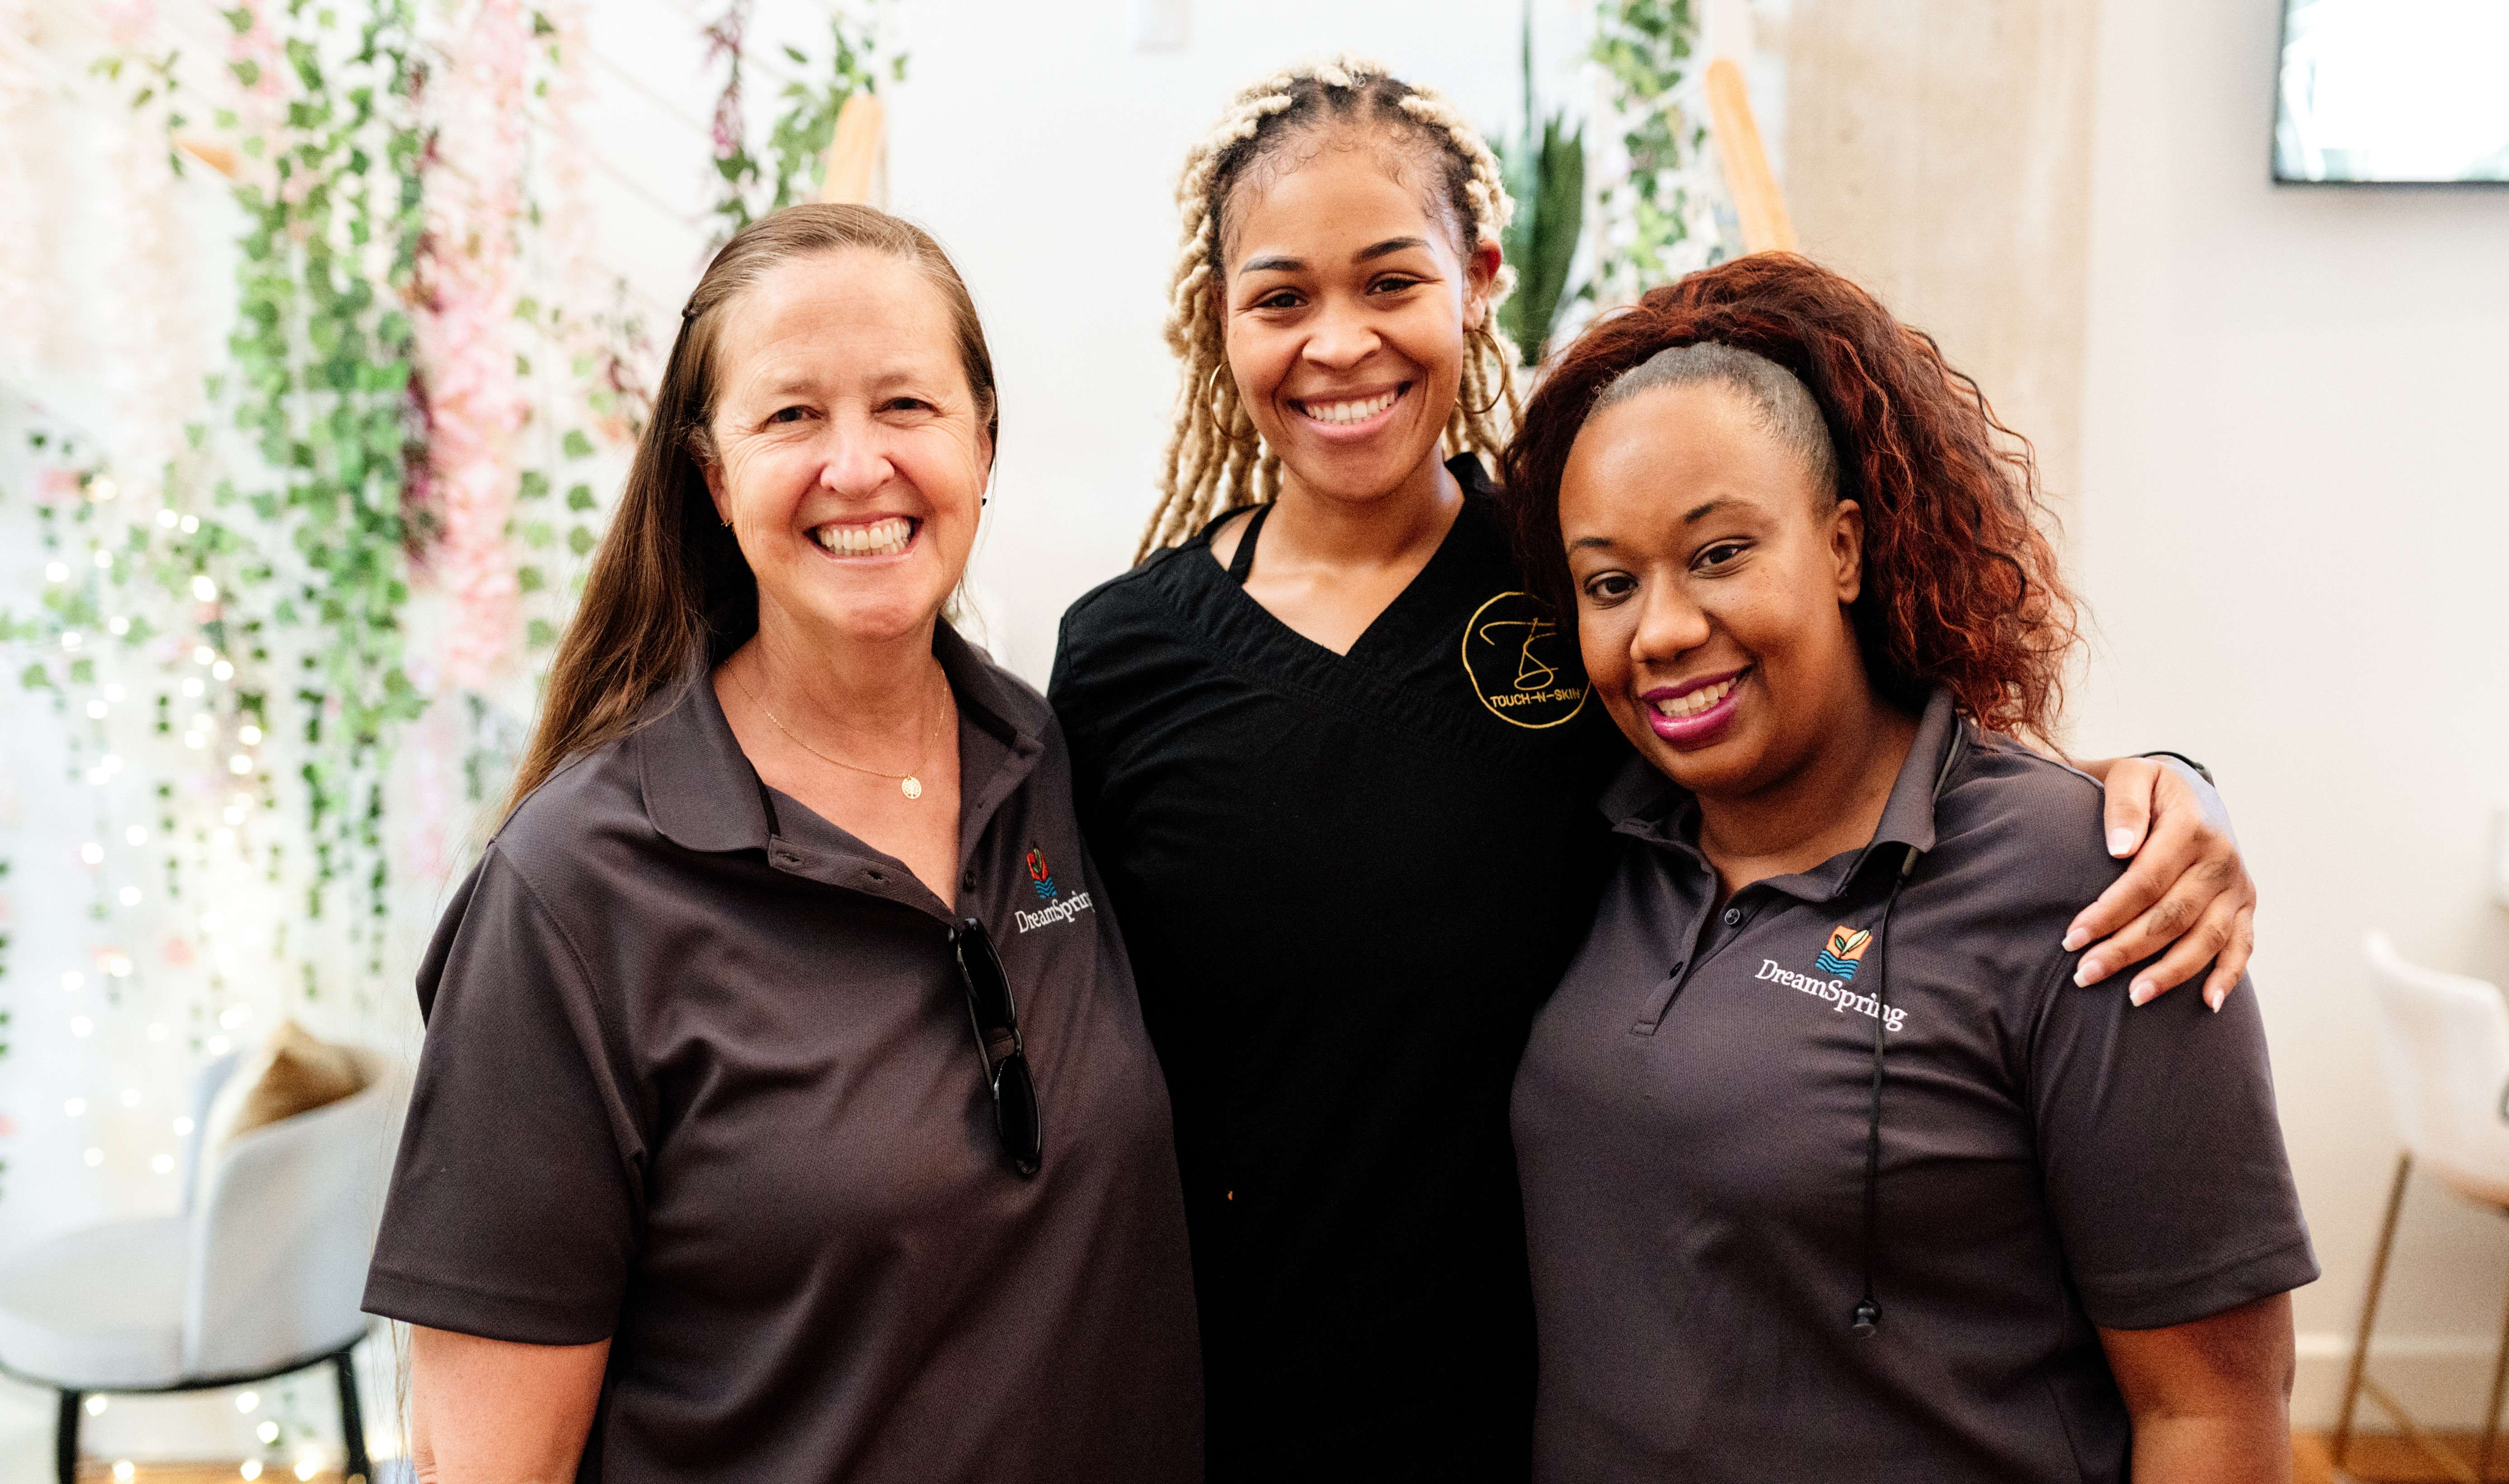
x,y
1017,1117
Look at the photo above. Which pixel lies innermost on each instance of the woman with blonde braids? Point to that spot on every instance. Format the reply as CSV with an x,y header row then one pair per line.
x,y
1340,773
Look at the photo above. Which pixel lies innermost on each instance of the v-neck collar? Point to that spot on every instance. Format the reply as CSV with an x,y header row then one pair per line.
x,y
1376,682
1385,630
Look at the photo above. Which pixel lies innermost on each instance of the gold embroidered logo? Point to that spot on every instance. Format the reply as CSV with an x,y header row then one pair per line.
x,y
1520,666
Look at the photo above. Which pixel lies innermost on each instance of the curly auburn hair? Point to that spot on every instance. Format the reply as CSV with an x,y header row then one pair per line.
x,y
1961,588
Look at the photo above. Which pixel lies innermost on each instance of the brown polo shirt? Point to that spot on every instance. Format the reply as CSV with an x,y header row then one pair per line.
x,y
699,1080
1691,1123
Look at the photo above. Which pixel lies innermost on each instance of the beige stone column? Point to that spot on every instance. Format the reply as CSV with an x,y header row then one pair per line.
x,y
1939,151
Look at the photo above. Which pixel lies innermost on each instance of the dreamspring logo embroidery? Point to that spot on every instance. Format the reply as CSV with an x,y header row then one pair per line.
x,y
1518,665
1060,908
1841,957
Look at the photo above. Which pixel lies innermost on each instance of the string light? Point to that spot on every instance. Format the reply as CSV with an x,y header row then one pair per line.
x,y
71,639
222,670
252,1469
245,1401
248,734
55,571
166,519
183,1130
95,711
91,853
308,1465
81,1025
113,690
218,1046
191,523
192,685
130,896
204,590
202,654
136,835
122,1471
94,1404
103,558
73,981
239,764
267,1432
161,1164
94,1158
101,488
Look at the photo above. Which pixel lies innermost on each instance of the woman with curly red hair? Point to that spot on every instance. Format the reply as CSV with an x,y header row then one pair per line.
x,y
1831,1165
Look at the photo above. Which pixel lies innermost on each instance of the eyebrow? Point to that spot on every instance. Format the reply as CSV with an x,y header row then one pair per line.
x,y
1605,543
1281,263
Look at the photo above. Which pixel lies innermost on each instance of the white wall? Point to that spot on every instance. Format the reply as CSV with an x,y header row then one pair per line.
x,y
2296,506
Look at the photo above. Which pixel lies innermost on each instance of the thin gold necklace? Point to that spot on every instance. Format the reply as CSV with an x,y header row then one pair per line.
x,y
908,784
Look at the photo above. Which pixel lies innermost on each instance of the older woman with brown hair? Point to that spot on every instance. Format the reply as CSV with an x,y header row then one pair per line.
x,y
785,1110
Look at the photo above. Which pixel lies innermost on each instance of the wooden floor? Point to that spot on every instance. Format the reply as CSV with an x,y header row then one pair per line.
x,y
2384,1457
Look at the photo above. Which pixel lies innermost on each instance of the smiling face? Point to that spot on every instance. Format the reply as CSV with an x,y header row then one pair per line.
x,y
849,451
1347,306
1714,574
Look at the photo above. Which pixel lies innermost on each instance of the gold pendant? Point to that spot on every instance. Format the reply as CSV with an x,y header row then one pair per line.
x,y
910,785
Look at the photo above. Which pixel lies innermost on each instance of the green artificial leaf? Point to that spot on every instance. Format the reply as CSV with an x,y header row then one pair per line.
x,y
580,540
579,498
577,445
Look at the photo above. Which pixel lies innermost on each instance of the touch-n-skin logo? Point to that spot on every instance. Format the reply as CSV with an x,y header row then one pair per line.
x,y
1845,954
1520,666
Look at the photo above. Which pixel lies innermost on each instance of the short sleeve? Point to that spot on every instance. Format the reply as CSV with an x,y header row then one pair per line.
x,y
515,1199
2162,1154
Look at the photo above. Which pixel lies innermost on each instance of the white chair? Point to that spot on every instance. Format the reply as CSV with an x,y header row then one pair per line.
x,y
2444,1045
259,1275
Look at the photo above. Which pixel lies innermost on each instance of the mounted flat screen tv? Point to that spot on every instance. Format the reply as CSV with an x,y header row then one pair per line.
x,y
2393,91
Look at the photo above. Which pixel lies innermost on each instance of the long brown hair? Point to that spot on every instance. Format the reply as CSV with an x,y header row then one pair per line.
x,y
668,586
1961,586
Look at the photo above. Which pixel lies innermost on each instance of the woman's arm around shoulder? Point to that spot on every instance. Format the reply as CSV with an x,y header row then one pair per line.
x,y
2188,892
2211,1400
494,1412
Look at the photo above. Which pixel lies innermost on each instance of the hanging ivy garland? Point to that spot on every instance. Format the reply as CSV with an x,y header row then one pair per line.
x,y
228,642
1658,219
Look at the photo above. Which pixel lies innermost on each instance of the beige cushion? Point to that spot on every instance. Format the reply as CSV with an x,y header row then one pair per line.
x,y
293,1073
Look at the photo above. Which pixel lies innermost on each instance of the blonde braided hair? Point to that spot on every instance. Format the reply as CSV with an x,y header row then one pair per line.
x,y
1214,453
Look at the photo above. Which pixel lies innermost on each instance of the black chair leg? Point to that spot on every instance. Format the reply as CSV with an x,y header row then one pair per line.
x,y
65,1437
353,1419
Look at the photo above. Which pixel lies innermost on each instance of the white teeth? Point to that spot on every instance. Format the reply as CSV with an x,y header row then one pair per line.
x,y
887,537
1339,413
1696,701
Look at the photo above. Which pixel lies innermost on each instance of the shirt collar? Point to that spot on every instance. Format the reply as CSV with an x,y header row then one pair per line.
x,y
1646,806
701,792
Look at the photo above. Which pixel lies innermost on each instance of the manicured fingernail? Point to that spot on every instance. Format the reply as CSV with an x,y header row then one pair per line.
x,y
2087,972
2075,938
2120,840
2214,998
2143,992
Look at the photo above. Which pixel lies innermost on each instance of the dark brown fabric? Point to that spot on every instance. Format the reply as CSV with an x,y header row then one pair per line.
x,y
1691,1120
700,1079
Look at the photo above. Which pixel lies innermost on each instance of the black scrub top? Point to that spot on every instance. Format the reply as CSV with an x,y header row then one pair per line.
x,y
699,1080
1692,1123
1347,883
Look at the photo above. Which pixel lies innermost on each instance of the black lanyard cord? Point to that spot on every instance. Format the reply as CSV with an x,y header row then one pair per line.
x,y
1867,1317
